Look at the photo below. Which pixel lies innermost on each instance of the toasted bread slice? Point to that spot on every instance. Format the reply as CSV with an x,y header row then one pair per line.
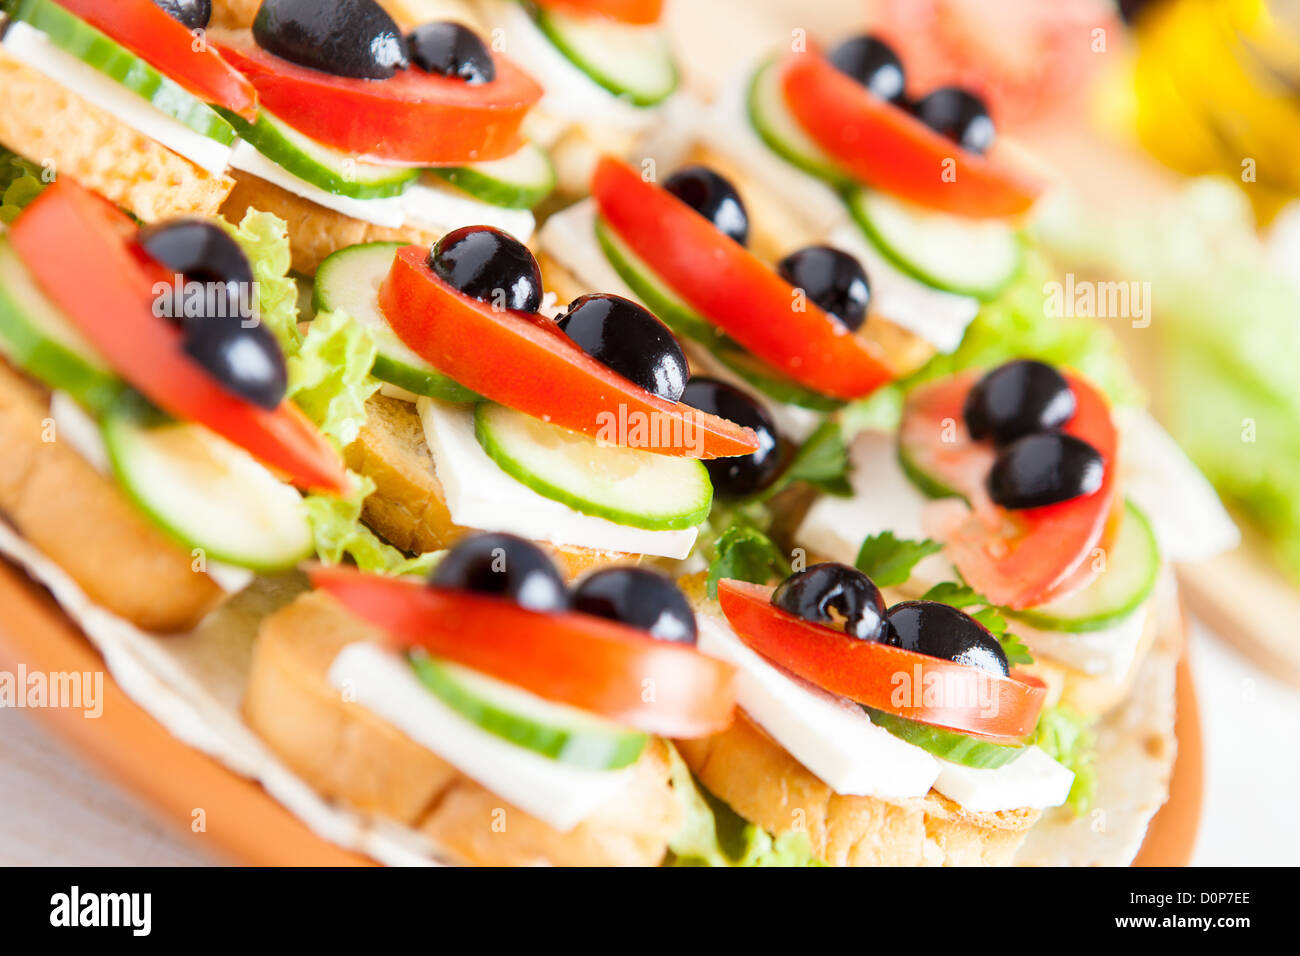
x,y
48,124
314,231
754,775
408,506
83,522
348,754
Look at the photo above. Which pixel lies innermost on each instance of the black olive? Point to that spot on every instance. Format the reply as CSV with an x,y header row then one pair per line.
x,y
1044,469
942,631
1017,399
505,565
625,337
489,265
355,38
200,252
743,474
195,14
958,114
873,63
451,49
640,598
244,359
813,594
713,197
832,279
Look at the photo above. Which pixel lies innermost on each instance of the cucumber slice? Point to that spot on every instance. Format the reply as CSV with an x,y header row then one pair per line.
x,y
777,127
772,382
979,258
37,337
625,485
1132,566
634,62
332,170
349,280
947,744
925,483
553,730
204,491
659,299
518,181
99,51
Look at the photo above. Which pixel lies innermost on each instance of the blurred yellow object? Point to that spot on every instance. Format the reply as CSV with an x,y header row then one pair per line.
x,y
1217,84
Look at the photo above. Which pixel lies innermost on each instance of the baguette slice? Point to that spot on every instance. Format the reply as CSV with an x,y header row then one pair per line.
x,y
348,754
48,124
757,778
409,507
84,523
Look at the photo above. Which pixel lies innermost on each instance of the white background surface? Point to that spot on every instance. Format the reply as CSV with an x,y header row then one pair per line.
x,y
56,811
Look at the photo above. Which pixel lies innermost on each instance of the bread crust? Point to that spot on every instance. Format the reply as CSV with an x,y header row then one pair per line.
x,y
757,778
409,507
84,523
348,754
314,231
49,124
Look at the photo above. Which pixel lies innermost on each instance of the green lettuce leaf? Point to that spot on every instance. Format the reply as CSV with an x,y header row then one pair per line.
x,y
1067,737
715,835
265,240
329,375
338,532
21,181
822,461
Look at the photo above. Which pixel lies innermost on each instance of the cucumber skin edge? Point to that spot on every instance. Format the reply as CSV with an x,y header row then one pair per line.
x,y
512,468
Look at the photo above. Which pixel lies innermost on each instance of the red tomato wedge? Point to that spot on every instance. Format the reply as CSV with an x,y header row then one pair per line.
x,y
916,686
414,117
891,150
1017,559
79,250
523,361
632,12
578,659
735,290
168,45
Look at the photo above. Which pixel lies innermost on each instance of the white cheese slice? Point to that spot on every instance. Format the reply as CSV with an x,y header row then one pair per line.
x,y
569,237
1189,521
831,736
32,47
941,318
569,92
433,208
725,129
1031,780
480,495
559,795
883,500
1106,653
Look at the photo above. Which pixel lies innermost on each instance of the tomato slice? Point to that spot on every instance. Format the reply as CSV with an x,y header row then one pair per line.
x,y
734,289
916,686
79,250
523,361
1016,559
633,12
891,150
578,659
415,118
143,28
